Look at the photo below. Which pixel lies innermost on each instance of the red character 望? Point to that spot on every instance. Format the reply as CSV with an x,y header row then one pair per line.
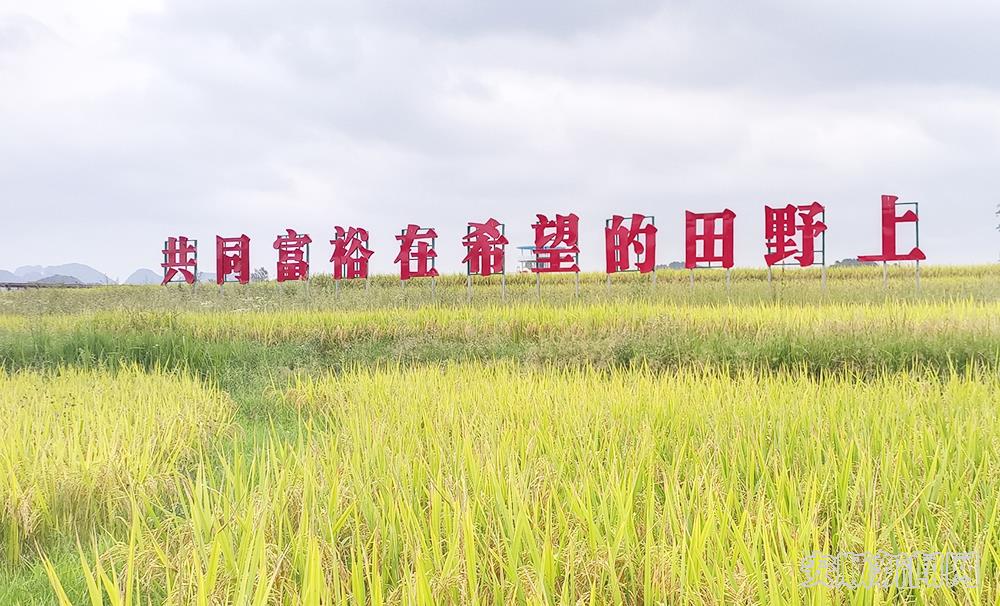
x,y
556,244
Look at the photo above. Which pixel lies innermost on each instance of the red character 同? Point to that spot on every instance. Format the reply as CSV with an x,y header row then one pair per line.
x,y
708,237
232,257
350,253
416,262
630,241
293,256
180,256
484,244
781,226
889,221
556,244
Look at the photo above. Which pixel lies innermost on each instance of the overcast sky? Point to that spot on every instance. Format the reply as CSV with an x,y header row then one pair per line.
x,y
123,122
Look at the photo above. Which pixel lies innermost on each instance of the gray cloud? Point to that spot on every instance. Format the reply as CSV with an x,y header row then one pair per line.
x,y
228,117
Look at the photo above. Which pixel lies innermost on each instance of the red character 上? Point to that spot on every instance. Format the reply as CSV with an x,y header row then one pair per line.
x,y
889,221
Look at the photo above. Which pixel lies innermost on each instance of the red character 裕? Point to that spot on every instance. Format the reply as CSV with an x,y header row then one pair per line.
x,y
556,244
484,244
293,256
781,226
232,257
180,256
889,221
416,262
708,237
350,253
628,239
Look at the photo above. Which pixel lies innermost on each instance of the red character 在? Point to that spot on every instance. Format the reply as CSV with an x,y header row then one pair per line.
x,y
484,244
781,226
556,244
889,221
709,237
350,253
628,240
416,252
180,256
232,258
293,256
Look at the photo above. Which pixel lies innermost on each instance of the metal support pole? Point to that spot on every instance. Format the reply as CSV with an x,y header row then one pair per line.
x,y
538,286
503,287
577,285
917,275
885,275
692,279
653,278
728,270
609,284
468,288
770,278
433,288
823,277
367,280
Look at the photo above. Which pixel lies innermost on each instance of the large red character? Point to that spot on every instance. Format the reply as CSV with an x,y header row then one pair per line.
x,y
484,245
556,244
293,256
889,221
708,236
416,262
350,253
781,226
232,257
628,239
180,256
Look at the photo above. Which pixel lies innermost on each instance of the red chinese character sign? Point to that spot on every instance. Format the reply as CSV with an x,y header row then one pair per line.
x,y
556,244
708,239
232,258
180,258
890,219
791,231
293,256
350,253
630,244
484,248
416,256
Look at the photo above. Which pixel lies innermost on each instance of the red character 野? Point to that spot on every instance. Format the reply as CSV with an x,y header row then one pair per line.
x,y
232,258
781,226
710,238
180,256
416,252
484,244
293,256
350,253
630,239
556,244
889,221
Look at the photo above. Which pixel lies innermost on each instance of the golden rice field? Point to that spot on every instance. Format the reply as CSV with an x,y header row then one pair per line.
x,y
592,450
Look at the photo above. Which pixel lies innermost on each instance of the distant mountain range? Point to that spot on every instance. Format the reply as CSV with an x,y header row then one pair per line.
x,y
73,273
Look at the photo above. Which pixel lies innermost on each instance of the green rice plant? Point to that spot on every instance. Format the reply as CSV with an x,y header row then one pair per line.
x,y
75,444
500,483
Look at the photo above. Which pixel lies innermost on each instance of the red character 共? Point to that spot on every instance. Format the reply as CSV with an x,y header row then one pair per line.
x,y
180,256
350,253
293,256
416,261
708,237
484,244
630,239
232,258
889,221
781,226
556,244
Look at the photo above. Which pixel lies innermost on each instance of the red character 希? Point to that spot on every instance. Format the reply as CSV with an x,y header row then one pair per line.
x,y
416,252
709,237
293,256
484,245
630,241
889,221
232,258
180,256
556,244
781,226
350,253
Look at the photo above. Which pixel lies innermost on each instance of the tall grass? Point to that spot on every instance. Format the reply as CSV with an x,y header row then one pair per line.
x,y
497,483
